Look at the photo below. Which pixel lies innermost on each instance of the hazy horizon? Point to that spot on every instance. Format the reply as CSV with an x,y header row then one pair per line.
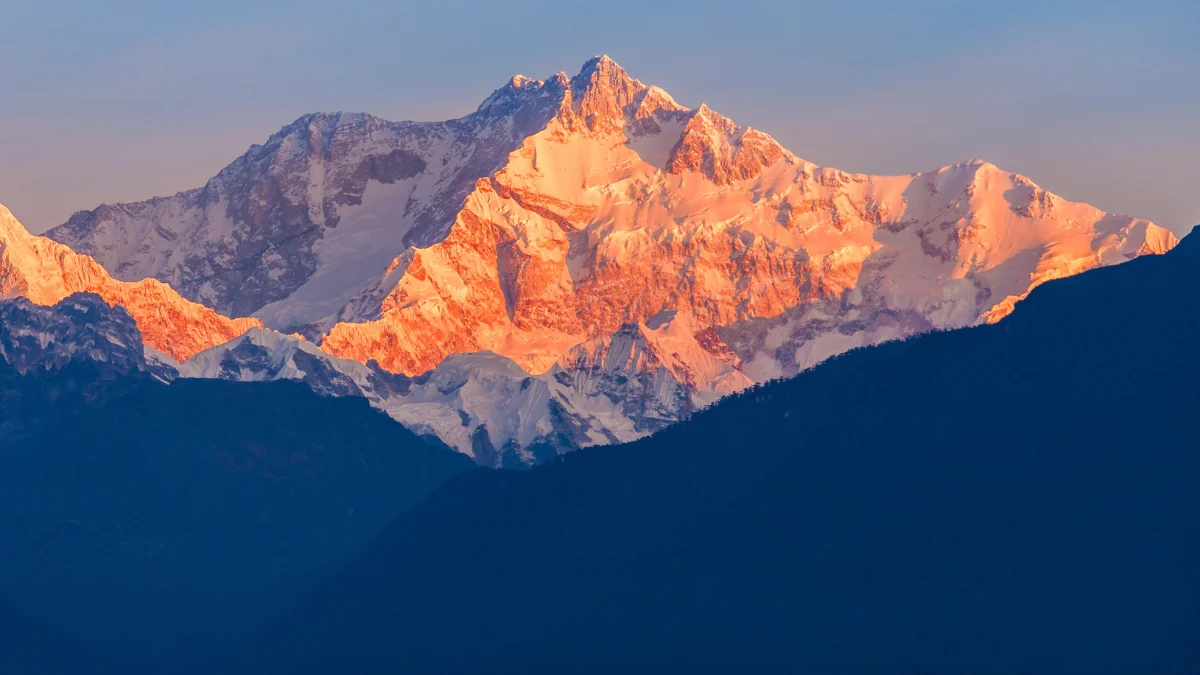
x,y
1089,99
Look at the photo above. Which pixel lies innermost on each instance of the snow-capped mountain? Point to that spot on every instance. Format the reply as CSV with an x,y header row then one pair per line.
x,y
79,350
294,228
81,327
657,370
626,205
45,272
598,238
611,389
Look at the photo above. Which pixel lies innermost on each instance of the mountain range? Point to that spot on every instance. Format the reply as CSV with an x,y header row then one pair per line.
x,y
581,261
1016,497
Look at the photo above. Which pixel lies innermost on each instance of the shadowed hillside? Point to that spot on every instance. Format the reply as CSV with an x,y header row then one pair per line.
x,y
152,507
1018,497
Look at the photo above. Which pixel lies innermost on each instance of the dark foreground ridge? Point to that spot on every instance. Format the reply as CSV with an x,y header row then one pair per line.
x,y
142,509
1018,497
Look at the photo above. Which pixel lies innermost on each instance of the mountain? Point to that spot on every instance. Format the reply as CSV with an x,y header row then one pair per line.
x,y
611,389
569,214
294,228
1016,497
133,507
481,404
45,272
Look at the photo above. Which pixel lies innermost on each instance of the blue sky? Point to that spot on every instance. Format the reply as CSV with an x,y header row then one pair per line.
x,y
123,100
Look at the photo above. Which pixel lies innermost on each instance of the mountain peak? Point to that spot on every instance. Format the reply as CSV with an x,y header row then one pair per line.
x,y
604,72
600,96
602,91
9,224
600,63
518,91
321,124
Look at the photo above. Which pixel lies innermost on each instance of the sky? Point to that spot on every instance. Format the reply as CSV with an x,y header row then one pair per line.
x,y
1098,101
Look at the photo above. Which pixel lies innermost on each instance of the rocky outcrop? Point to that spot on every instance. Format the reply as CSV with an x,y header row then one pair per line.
x,y
36,339
78,351
656,371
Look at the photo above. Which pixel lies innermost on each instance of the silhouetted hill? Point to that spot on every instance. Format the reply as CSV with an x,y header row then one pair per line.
x,y
1012,498
161,506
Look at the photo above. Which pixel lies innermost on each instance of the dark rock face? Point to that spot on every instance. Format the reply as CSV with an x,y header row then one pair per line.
x,y
80,329
247,361
627,370
387,383
77,353
386,169
247,357
323,378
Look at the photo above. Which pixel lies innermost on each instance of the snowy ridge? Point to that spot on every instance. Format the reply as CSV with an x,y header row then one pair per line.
x,y
482,404
657,370
295,227
45,272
